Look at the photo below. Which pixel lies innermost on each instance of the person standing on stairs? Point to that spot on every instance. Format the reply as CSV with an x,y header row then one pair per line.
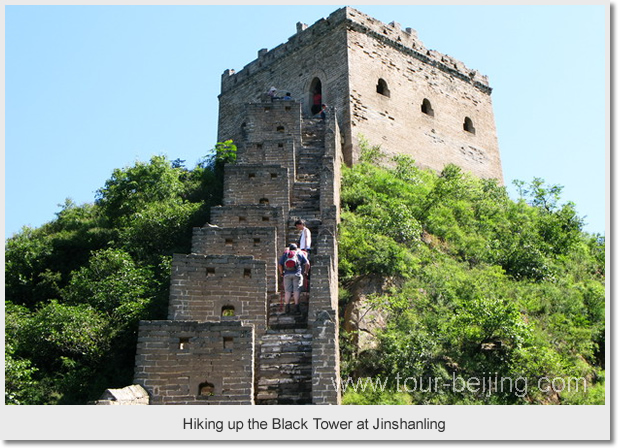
x,y
304,241
322,112
292,265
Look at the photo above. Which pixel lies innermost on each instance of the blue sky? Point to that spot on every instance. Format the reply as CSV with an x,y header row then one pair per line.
x,y
93,88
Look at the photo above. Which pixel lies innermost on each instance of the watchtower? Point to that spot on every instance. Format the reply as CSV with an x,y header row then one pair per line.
x,y
385,85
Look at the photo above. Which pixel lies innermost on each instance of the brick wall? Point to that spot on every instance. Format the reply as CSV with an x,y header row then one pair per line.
x,y
257,184
325,362
349,52
218,308
319,52
202,285
196,363
251,216
259,242
396,121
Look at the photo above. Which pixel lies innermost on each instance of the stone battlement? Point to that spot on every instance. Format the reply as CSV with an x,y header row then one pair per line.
x,y
383,84
391,34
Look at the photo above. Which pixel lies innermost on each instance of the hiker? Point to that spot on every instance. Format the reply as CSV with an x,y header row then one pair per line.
x,y
272,93
304,241
292,265
288,96
322,113
317,100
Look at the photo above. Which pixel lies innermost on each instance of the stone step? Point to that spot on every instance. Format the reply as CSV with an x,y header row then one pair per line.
x,y
284,367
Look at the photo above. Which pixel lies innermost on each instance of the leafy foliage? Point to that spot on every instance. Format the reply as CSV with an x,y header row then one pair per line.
x,y
484,287
77,286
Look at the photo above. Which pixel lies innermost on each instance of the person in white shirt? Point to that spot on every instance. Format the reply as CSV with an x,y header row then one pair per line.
x,y
304,242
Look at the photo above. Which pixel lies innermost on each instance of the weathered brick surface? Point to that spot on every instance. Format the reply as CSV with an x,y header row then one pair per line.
x,y
325,359
202,286
260,242
196,363
350,52
251,216
257,185
233,266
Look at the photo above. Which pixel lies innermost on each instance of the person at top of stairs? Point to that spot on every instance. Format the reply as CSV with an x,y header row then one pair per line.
x,y
292,265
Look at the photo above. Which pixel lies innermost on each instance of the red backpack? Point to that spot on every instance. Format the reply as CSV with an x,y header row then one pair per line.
x,y
292,263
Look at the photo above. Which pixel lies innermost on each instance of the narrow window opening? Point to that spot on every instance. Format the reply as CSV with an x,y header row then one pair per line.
x,y
280,145
267,109
280,129
241,219
229,242
210,271
247,273
251,175
426,107
228,342
468,126
273,175
183,343
256,241
265,218
228,311
206,389
259,146
382,88
264,201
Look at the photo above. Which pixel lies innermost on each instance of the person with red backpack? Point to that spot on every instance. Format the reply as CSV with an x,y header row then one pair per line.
x,y
292,264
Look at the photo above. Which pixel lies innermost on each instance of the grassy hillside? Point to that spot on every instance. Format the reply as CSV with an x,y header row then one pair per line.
x,y
485,299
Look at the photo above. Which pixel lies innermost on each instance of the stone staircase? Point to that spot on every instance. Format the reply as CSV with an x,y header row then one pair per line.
x,y
279,320
285,367
284,362
310,155
227,339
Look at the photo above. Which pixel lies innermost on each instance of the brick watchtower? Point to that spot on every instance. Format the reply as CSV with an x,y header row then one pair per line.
x,y
386,86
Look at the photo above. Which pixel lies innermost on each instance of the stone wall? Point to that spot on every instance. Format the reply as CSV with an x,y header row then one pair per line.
x,y
250,216
433,135
204,287
217,343
355,56
257,185
259,242
196,362
316,53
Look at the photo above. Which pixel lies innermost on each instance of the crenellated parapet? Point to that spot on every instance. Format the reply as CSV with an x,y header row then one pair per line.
x,y
405,40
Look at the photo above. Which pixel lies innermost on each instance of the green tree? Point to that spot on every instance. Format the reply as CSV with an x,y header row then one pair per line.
x,y
481,283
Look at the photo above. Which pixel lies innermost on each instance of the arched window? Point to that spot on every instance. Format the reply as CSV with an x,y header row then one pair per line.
x,y
426,107
382,88
228,311
468,126
206,389
315,95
